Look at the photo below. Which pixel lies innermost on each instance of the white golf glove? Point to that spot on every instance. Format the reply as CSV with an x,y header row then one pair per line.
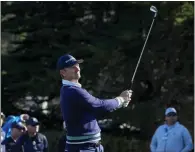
x,y
124,98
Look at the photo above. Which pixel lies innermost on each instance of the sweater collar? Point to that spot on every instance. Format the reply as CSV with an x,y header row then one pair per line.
x,y
69,83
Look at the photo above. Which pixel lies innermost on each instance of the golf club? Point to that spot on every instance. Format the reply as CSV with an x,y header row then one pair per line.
x,y
153,9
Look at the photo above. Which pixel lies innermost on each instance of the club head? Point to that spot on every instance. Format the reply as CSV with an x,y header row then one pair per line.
x,y
154,9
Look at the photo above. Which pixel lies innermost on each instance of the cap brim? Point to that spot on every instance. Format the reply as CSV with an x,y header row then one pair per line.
x,y
20,128
72,64
80,61
171,112
76,62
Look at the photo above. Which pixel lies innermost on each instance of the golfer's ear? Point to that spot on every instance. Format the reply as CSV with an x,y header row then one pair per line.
x,y
63,72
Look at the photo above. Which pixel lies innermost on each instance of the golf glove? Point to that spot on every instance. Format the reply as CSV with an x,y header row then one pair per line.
x,y
124,98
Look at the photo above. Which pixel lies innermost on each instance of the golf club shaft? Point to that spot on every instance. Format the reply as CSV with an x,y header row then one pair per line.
x,y
132,80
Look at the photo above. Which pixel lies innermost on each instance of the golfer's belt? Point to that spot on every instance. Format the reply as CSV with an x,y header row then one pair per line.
x,y
83,139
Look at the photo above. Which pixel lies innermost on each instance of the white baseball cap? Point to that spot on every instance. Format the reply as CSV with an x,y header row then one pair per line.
x,y
170,109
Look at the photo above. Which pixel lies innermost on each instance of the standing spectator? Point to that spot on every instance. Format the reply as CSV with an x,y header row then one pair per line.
x,y
17,129
172,136
32,140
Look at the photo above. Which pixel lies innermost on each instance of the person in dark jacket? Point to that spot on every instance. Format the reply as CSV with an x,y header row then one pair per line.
x,y
17,129
80,109
33,141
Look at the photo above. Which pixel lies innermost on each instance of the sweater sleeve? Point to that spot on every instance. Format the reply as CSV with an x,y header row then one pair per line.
x,y
94,103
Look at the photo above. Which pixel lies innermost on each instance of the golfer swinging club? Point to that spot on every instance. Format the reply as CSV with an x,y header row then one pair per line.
x,y
80,109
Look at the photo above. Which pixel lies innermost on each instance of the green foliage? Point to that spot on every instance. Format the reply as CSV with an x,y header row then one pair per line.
x,y
186,12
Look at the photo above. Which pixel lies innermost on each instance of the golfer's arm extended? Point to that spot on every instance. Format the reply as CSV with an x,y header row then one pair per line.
x,y
94,103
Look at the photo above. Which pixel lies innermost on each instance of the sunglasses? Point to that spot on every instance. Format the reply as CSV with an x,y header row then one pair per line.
x,y
171,114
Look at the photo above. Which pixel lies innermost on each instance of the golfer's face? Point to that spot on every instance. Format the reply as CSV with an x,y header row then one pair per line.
x,y
72,72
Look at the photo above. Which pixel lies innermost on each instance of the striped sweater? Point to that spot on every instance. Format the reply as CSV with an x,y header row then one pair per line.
x,y
80,110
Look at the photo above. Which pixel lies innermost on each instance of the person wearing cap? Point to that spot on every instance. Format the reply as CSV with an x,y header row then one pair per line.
x,y
80,109
11,119
17,129
32,140
2,132
172,136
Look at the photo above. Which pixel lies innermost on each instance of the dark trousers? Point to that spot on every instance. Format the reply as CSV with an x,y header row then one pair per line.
x,y
88,147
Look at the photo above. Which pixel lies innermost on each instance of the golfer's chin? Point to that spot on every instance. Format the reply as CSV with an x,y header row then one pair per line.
x,y
78,76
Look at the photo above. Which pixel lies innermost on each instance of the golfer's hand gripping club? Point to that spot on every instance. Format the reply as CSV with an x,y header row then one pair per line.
x,y
124,98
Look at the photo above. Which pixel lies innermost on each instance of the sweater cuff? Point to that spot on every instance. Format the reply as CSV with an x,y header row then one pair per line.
x,y
120,101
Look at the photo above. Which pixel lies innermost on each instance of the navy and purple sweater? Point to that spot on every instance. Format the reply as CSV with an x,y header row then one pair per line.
x,y
79,111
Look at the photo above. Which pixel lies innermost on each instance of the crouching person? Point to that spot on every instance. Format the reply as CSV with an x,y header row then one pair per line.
x,y
32,140
17,129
